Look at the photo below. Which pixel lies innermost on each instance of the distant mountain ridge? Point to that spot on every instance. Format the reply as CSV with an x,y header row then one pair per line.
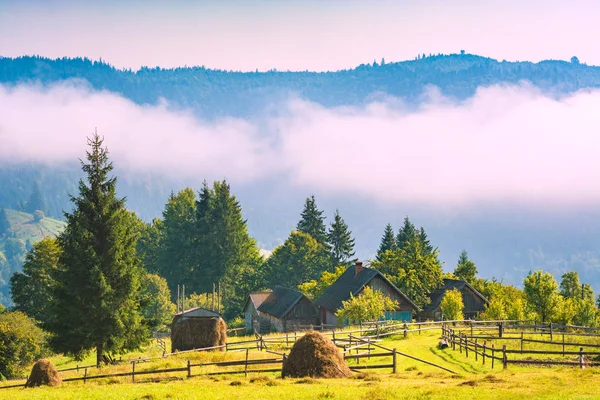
x,y
212,93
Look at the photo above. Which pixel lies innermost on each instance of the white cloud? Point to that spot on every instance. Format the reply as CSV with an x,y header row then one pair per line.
x,y
505,144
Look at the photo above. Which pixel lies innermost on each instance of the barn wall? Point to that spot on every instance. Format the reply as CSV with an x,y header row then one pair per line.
x,y
302,314
473,303
250,314
328,317
377,283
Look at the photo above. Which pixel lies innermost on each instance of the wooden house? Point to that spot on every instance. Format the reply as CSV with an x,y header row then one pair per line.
x,y
353,281
281,309
251,313
473,301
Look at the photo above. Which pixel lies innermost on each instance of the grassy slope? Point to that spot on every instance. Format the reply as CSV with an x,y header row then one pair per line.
x,y
413,380
24,227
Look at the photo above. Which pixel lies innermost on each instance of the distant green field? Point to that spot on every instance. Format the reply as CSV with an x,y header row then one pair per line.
x,y
413,380
24,227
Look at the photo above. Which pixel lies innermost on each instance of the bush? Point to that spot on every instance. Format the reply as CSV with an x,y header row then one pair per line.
x,y
452,305
237,322
38,215
21,343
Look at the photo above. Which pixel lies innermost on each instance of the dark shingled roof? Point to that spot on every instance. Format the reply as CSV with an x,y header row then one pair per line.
x,y
348,283
280,301
449,284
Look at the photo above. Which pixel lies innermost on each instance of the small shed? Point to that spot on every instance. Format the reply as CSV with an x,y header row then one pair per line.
x,y
287,310
473,301
197,328
252,316
353,281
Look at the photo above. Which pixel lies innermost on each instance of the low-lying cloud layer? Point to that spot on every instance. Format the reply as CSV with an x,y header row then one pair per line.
x,y
505,144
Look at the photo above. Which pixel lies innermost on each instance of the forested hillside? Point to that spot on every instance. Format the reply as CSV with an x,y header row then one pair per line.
x,y
214,92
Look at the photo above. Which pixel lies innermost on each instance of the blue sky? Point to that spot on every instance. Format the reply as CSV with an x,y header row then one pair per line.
x,y
297,35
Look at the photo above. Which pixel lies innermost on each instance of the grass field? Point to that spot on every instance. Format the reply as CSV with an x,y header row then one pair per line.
x,y
24,227
413,380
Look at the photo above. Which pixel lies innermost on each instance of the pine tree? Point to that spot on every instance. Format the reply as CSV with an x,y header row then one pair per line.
x,y
312,221
388,242
406,234
465,269
36,200
4,222
340,240
97,279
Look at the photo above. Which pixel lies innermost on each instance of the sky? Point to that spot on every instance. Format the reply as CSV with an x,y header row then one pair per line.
x,y
296,35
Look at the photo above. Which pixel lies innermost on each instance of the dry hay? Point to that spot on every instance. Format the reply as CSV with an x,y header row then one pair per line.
x,y
197,332
43,373
316,356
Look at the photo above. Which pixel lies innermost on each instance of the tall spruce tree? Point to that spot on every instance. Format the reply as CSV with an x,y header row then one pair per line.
x,y
4,222
97,279
340,240
465,269
388,242
36,200
406,234
312,221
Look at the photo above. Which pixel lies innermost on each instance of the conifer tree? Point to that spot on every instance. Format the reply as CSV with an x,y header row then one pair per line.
x,y
4,222
388,242
406,234
340,240
465,269
312,221
36,200
97,279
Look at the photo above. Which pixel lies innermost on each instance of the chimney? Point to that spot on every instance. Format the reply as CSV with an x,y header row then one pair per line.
x,y
358,268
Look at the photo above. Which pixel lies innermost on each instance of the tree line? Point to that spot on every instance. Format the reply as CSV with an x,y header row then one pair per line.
x,y
109,279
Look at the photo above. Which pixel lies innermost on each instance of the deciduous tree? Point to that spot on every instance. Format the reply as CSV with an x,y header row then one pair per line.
x,y
541,291
370,305
452,305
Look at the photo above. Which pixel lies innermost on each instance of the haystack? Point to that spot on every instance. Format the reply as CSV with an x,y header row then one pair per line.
x,y
189,333
43,373
316,356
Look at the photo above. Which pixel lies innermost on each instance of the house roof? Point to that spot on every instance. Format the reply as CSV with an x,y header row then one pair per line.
x,y
200,311
348,283
280,301
449,284
256,298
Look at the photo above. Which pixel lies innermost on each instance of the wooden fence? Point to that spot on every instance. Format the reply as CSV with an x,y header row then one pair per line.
x,y
469,344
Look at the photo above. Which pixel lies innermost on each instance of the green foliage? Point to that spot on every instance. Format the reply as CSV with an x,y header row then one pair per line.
x,y
237,322
465,269
314,289
406,234
388,242
565,311
97,289
31,289
312,221
155,302
370,305
21,343
340,241
586,313
571,287
412,269
541,291
36,200
452,305
495,311
204,300
300,259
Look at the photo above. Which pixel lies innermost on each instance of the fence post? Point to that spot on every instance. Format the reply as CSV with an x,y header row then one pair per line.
x,y
453,341
287,339
133,371
246,365
504,360
476,349
484,347
420,328
283,365
405,329
521,342
78,366
471,323
581,357
466,345
189,368
394,360
493,355
550,331
84,376
500,329
563,344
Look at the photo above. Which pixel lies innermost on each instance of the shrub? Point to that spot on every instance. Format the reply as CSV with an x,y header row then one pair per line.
x,y
21,343
452,305
38,215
